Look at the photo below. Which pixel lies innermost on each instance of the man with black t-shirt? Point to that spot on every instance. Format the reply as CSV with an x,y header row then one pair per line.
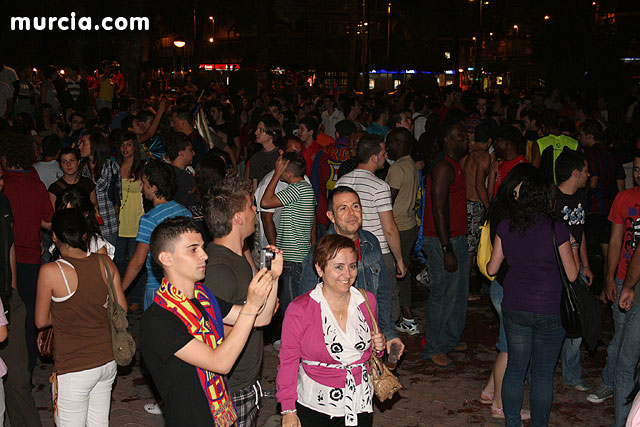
x,y
182,337
572,174
230,217
182,121
180,153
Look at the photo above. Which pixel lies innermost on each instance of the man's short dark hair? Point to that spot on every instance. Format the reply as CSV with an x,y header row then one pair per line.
x,y
184,113
350,104
550,119
345,128
164,236
174,143
77,114
275,103
17,149
399,142
127,122
311,124
593,128
341,189
226,199
50,146
162,175
567,162
369,145
272,127
532,115
482,132
377,112
297,165
145,115
69,150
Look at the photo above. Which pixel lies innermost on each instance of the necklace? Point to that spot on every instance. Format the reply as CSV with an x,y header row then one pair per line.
x,y
125,193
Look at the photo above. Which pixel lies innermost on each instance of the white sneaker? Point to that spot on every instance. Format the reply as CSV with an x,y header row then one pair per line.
x,y
409,327
423,277
153,408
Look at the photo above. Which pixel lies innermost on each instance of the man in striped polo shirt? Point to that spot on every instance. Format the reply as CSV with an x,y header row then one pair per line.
x,y
297,228
377,209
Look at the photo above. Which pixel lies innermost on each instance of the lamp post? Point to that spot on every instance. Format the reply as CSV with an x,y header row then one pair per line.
x,y
478,40
180,44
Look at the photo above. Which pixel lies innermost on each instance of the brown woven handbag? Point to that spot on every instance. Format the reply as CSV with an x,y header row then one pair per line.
x,y
124,347
385,384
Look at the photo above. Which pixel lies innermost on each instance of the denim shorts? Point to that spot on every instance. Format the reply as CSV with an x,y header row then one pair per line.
x,y
496,292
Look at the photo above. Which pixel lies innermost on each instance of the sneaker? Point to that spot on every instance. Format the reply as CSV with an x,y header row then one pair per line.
x,y
423,277
581,386
276,345
601,394
408,327
153,408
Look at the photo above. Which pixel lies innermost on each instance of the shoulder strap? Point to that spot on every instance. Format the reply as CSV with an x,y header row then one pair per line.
x,y
555,248
373,318
112,292
66,283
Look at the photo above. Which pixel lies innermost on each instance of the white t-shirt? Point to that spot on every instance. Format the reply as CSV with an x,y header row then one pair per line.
x,y
49,172
375,197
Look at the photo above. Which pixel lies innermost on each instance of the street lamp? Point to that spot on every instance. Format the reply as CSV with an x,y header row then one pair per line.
x,y
180,44
546,17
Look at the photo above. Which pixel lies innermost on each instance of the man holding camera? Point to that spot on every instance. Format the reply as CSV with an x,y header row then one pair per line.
x,y
230,216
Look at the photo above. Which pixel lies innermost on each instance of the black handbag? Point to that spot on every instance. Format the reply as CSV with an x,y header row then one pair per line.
x,y
569,308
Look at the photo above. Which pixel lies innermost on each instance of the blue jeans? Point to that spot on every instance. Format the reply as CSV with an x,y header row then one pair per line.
x,y
149,295
609,371
627,353
125,247
570,357
536,338
496,292
448,293
289,284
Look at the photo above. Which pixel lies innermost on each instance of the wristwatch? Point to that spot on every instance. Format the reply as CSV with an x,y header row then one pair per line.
x,y
447,248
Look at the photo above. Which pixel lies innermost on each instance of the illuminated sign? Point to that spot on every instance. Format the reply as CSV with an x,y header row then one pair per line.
x,y
220,67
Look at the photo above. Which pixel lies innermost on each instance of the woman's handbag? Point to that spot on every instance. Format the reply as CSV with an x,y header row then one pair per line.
x,y
45,342
385,384
579,309
485,248
124,347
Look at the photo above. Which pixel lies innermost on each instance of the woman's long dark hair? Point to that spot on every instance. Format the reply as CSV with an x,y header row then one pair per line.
x,y
99,151
504,203
535,200
136,168
78,199
70,228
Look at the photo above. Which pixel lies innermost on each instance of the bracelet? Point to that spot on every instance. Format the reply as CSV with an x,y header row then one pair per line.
x,y
288,411
249,314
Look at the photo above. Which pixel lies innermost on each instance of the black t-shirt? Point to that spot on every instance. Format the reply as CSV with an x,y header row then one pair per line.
x,y
262,163
60,185
200,147
570,208
162,334
185,184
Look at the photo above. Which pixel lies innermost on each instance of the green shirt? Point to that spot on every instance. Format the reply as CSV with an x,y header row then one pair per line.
x,y
296,221
558,143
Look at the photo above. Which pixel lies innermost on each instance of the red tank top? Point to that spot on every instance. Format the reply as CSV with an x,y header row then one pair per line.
x,y
503,169
456,206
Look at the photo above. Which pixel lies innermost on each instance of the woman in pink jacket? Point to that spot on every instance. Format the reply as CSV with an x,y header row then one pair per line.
x,y
326,341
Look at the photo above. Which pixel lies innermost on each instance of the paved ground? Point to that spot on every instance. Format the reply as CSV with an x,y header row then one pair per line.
x,y
433,397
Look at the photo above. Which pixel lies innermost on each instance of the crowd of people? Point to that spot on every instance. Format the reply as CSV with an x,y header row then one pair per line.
x,y
235,222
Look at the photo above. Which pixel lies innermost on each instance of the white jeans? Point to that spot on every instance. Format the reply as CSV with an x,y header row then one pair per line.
x,y
84,398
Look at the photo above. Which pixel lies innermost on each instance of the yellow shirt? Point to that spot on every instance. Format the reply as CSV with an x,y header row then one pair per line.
x,y
131,208
107,88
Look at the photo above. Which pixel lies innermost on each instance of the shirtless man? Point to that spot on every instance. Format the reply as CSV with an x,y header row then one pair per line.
x,y
475,166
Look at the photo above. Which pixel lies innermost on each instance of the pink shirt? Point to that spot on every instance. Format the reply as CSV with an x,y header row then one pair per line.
x,y
3,322
303,338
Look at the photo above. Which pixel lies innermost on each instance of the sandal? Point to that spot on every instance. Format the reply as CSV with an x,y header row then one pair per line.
x,y
525,414
486,398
